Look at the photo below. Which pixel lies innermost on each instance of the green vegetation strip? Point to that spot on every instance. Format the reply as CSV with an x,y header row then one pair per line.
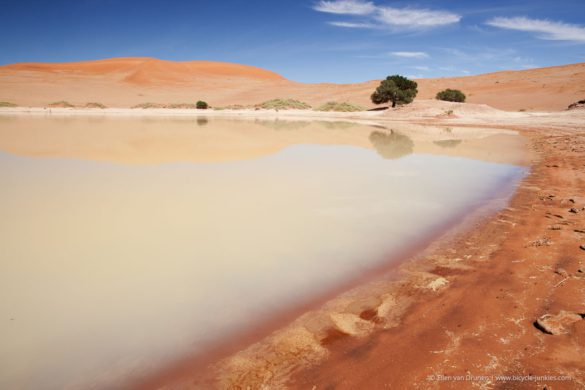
x,y
339,107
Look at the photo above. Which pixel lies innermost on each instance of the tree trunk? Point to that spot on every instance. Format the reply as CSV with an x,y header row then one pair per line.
x,y
393,104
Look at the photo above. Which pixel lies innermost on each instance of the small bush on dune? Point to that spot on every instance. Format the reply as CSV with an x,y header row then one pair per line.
x,y
283,104
160,105
170,106
149,105
339,107
61,104
231,107
451,95
201,105
94,105
180,106
7,104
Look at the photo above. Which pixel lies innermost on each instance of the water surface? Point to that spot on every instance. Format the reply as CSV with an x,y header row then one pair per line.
x,y
125,243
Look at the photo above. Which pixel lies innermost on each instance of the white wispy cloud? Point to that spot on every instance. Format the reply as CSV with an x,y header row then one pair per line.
x,y
375,16
415,18
422,68
410,54
345,7
352,25
548,29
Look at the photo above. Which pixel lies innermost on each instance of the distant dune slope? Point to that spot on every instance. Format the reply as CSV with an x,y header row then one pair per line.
x,y
144,70
125,82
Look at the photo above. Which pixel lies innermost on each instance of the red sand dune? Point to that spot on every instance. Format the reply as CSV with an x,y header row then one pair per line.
x,y
125,82
149,68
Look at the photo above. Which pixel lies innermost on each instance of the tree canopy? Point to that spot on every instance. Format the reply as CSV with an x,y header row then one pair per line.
x,y
396,89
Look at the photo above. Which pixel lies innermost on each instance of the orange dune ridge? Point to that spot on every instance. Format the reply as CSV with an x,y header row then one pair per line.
x,y
126,82
150,68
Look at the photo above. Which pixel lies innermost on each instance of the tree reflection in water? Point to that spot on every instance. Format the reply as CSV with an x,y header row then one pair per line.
x,y
391,145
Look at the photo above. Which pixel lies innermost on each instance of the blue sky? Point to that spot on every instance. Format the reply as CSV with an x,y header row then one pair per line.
x,y
309,41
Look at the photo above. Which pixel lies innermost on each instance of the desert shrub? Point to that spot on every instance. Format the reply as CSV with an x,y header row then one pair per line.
x,y
201,105
283,104
339,107
181,106
7,104
451,95
231,107
149,105
94,105
163,105
396,89
61,104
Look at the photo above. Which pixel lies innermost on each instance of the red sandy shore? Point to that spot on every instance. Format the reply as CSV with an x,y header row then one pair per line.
x,y
467,308
524,263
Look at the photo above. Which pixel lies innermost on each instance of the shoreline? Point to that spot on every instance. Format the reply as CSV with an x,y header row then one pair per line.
x,y
188,113
424,112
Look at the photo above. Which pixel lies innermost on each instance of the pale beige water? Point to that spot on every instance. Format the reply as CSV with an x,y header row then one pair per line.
x,y
127,242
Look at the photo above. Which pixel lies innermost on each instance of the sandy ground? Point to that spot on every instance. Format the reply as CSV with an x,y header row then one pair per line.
x,y
500,295
126,82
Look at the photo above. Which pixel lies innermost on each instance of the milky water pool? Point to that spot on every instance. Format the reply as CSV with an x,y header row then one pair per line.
x,y
128,242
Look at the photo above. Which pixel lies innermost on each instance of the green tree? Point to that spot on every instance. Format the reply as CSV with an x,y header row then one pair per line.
x,y
396,89
202,105
451,95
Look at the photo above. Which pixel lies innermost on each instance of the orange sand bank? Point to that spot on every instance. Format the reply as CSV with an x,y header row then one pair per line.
x,y
125,82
